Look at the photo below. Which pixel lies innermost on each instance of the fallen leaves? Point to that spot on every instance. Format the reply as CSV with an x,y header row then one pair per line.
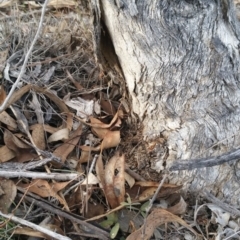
x,y
156,218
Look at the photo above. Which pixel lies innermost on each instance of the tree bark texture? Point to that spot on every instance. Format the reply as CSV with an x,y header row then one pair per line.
x,y
180,60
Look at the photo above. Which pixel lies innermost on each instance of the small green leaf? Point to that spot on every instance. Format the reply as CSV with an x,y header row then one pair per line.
x,y
145,206
114,230
106,223
112,217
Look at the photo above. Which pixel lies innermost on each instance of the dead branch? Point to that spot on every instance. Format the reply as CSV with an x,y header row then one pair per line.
x,y
228,208
34,226
34,175
205,162
90,227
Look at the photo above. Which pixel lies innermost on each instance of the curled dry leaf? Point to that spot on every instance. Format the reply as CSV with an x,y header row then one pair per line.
x,y
179,208
38,136
83,107
8,193
62,134
156,218
112,139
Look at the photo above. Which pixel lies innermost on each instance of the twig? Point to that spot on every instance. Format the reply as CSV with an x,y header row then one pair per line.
x,y
23,68
224,206
151,203
55,176
35,227
134,175
205,162
94,228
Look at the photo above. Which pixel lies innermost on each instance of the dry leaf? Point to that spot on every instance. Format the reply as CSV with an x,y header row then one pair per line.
x,y
8,120
38,136
62,4
43,189
8,192
30,232
179,208
46,128
129,179
119,178
6,3
13,142
2,94
112,139
83,107
66,148
90,179
114,184
85,156
62,134
100,170
6,154
156,218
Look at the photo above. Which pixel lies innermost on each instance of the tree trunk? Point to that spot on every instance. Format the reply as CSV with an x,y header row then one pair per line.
x,y
180,60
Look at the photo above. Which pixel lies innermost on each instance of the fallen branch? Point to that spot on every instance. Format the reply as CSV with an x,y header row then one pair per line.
x,y
55,176
35,227
228,208
205,162
92,228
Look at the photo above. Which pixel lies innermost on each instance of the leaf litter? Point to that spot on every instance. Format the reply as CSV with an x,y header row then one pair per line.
x,y
69,117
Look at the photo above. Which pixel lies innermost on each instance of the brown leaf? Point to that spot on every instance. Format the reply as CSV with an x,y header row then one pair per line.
x,y
115,184
156,218
60,135
30,232
119,179
179,208
6,154
38,136
42,188
18,94
8,120
66,148
111,139
2,94
8,192
100,170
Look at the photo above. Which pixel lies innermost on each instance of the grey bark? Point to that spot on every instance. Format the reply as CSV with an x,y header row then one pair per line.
x,y
180,60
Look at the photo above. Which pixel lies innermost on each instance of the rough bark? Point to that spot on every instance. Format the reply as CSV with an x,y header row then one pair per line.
x,y
180,60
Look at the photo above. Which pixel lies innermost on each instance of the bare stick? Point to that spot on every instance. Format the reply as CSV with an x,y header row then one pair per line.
x,y
205,162
228,208
55,176
35,227
40,202
23,68
151,203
